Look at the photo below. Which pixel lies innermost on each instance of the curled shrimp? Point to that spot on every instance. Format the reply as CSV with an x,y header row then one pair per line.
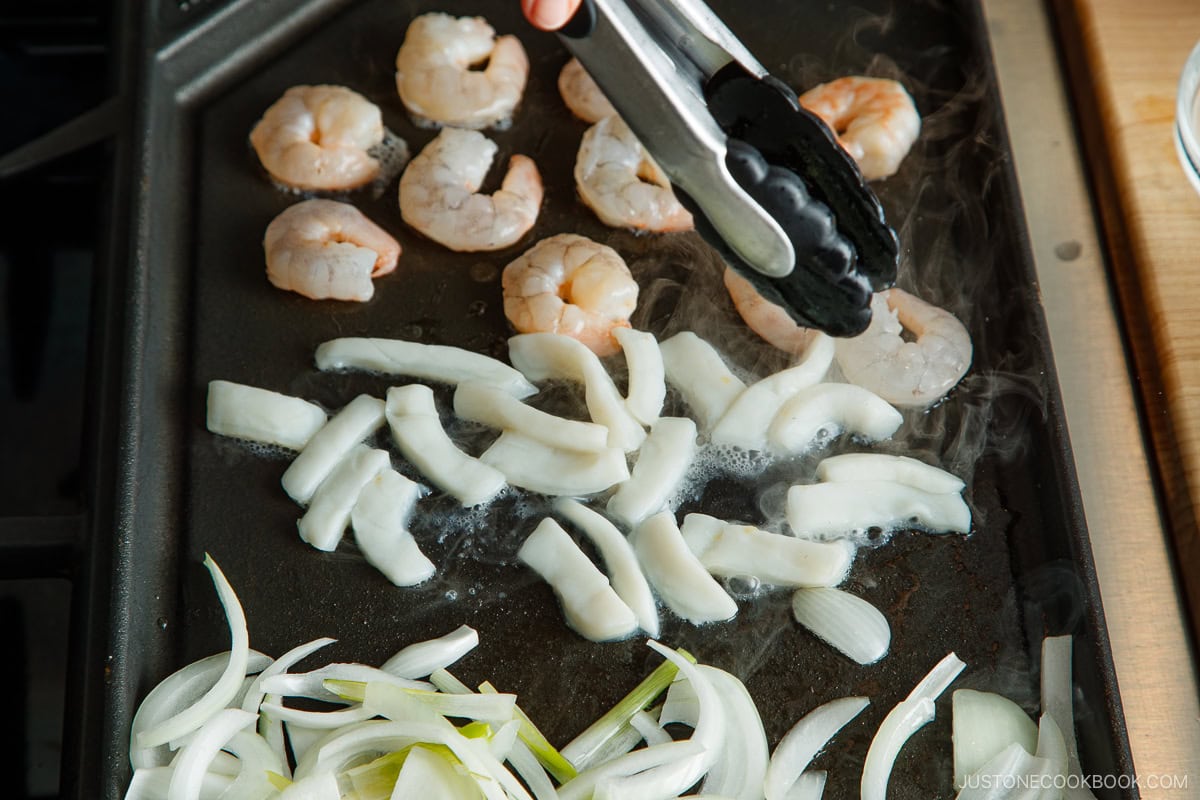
x,y
324,249
906,373
767,319
318,138
618,180
875,120
435,79
438,193
581,94
570,285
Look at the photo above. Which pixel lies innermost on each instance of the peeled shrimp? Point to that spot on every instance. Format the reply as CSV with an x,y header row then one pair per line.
x,y
767,319
318,138
875,120
324,249
438,194
618,180
434,74
907,373
570,285
581,94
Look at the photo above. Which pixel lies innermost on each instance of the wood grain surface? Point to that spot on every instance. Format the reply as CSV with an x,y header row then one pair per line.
x,y
1125,60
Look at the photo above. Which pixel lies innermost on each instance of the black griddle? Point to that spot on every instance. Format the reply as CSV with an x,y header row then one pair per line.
x,y
194,305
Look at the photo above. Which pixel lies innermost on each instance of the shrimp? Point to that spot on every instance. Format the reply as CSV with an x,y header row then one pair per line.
x,y
318,138
581,94
435,79
571,285
907,373
766,319
438,194
875,120
618,180
324,249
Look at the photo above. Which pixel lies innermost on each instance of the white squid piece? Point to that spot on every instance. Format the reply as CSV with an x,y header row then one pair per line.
x,y
882,467
589,603
619,559
830,509
728,550
542,356
697,371
358,420
745,423
647,377
431,362
488,405
260,415
661,465
532,465
380,523
328,515
674,571
418,433
828,409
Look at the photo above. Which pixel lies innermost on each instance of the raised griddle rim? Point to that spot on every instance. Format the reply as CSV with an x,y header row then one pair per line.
x,y
169,75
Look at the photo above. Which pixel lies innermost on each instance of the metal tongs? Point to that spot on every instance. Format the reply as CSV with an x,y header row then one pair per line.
x,y
767,182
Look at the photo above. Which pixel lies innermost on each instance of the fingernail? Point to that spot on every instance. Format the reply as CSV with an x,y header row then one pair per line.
x,y
549,15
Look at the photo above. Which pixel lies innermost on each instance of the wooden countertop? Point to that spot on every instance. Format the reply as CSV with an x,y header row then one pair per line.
x,y
1124,60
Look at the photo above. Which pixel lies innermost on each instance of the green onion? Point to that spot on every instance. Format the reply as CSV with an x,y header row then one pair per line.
x,y
546,754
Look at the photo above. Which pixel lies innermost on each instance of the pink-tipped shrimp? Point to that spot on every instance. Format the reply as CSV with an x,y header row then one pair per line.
x,y
875,120
581,94
906,373
435,76
318,138
439,194
324,249
571,285
618,180
766,319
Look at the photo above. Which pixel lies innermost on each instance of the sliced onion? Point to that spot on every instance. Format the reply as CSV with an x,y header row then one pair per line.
x,y
741,766
883,467
652,733
301,739
800,745
1058,701
175,693
846,622
647,380
431,777
809,786
424,658
152,783
254,695
431,362
909,716
317,720
619,559
1003,774
256,760
227,686
744,424
697,371
680,578
590,605
193,761
984,725
312,684
531,771
328,446
661,465
315,787
259,415
635,762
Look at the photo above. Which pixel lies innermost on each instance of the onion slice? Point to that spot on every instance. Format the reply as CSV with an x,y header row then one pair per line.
x,y
679,577
831,509
984,724
193,761
418,433
906,718
619,559
700,375
800,745
226,687
647,379
430,362
328,446
424,658
589,603
745,423
662,462
729,550
260,415
844,621
1058,702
